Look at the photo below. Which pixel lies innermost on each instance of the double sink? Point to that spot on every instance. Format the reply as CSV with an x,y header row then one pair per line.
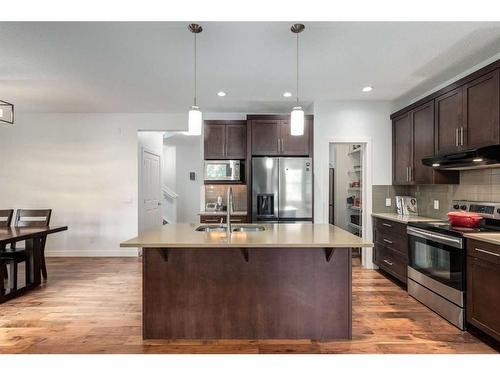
x,y
223,228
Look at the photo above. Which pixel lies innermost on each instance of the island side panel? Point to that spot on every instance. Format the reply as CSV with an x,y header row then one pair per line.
x,y
216,294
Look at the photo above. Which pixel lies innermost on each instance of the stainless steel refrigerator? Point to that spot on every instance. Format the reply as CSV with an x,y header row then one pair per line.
x,y
282,189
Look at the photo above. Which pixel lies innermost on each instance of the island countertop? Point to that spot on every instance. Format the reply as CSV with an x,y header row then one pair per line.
x,y
303,235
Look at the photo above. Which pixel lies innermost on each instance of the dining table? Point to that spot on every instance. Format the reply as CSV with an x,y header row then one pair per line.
x,y
33,237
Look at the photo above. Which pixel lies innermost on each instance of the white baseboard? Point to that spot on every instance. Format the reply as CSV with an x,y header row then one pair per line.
x,y
93,253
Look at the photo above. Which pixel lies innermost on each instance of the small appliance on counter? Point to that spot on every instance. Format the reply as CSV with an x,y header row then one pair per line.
x,y
437,255
406,205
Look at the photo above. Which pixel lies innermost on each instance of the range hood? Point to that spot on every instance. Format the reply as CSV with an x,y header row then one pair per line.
x,y
478,158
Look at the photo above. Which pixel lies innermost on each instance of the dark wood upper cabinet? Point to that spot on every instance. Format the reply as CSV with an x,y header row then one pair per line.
x,y
225,140
293,145
236,140
271,136
481,104
413,139
449,121
422,119
401,149
266,137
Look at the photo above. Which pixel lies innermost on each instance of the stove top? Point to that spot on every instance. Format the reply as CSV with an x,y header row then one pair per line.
x,y
445,227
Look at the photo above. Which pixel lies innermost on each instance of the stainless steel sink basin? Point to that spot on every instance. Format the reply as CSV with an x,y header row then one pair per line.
x,y
249,228
209,228
239,228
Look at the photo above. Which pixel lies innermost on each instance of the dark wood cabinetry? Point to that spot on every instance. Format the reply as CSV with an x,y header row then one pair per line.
x,y
483,292
271,136
225,140
413,139
481,106
217,219
463,115
390,252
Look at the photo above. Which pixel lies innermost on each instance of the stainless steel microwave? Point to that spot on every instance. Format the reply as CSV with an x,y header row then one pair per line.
x,y
222,170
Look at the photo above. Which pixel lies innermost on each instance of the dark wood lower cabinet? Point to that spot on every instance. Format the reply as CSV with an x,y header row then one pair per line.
x,y
251,293
483,287
390,252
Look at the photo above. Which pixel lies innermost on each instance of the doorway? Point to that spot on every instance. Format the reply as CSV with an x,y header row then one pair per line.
x,y
349,190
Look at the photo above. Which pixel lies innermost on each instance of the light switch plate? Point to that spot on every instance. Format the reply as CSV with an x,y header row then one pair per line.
x,y
388,202
436,204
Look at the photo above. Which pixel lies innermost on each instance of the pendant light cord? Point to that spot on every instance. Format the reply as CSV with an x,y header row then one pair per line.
x,y
297,69
195,69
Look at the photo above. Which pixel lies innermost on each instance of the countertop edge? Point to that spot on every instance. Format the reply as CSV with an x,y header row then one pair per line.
x,y
482,237
249,246
404,219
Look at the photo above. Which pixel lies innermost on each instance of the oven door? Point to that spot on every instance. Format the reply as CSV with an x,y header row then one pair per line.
x,y
437,256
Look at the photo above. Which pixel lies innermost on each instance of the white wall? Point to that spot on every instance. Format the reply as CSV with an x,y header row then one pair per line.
x,y
188,158
84,167
337,121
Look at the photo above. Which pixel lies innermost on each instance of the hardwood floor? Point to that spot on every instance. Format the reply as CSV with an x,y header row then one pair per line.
x,y
93,305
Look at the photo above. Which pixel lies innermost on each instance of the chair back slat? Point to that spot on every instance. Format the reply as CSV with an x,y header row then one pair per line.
x,y
32,218
6,218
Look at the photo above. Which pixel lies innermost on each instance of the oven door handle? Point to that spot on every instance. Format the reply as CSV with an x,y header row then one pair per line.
x,y
445,240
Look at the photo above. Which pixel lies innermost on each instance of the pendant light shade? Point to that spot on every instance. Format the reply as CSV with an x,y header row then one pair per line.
x,y
6,112
195,115
194,121
297,121
297,115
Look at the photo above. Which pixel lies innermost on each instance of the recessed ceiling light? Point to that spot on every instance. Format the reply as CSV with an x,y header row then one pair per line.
x,y
221,93
367,89
287,94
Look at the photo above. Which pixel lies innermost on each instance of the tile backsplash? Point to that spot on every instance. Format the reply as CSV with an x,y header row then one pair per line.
x,y
475,185
239,195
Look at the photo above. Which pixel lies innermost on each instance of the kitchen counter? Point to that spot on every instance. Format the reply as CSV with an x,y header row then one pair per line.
x,y
291,281
493,238
303,235
405,219
222,213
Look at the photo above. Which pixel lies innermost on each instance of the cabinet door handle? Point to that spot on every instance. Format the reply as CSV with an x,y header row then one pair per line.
x,y
487,252
387,262
236,220
461,136
407,175
212,220
387,225
278,145
386,240
411,173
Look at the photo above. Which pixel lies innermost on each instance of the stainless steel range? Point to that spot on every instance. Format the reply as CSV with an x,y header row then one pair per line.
x,y
436,266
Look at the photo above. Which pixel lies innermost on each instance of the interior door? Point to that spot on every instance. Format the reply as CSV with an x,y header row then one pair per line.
x,y
402,146
151,191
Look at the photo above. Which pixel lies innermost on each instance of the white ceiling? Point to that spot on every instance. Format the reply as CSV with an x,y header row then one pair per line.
x,y
148,67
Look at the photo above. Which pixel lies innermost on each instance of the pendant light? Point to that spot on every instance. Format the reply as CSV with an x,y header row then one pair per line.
x,y
6,112
194,117
297,115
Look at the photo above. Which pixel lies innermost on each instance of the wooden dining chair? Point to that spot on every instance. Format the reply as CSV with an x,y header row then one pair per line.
x,y
27,219
5,221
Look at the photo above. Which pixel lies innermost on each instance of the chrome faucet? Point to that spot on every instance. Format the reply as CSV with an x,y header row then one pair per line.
x,y
229,209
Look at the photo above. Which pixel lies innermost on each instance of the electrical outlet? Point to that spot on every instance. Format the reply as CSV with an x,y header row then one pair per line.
x,y
436,204
388,202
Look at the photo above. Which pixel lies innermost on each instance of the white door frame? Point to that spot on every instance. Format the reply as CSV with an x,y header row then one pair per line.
x,y
366,191
140,192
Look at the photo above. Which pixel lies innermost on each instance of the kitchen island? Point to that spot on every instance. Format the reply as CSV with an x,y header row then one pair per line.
x,y
287,281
